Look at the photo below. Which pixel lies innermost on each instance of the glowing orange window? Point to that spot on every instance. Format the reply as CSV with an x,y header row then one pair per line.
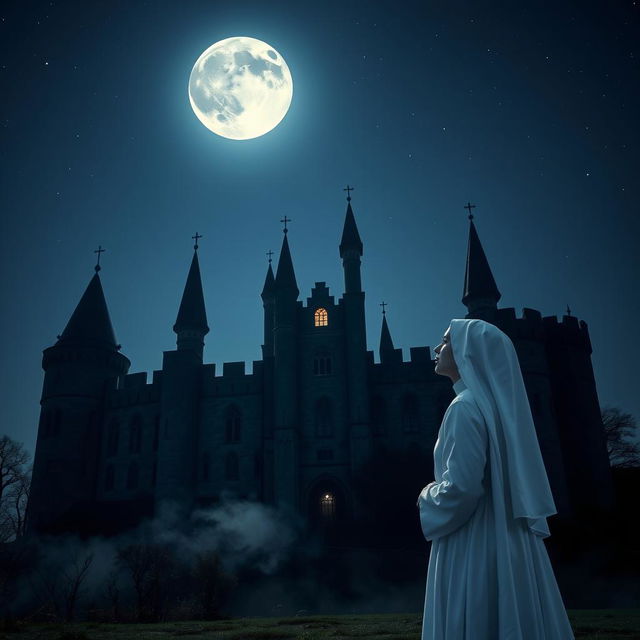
x,y
321,319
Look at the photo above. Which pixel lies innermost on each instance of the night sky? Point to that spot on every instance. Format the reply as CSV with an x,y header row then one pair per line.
x,y
527,110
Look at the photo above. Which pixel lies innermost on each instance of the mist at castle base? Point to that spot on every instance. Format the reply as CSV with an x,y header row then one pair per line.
x,y
283,568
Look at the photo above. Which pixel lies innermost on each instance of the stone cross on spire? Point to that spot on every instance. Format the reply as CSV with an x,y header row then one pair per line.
x,y
349,189
99,250
383,305
470,206
269,254
196,238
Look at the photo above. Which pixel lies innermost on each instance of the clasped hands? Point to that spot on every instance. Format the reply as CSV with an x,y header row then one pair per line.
x,y
423,493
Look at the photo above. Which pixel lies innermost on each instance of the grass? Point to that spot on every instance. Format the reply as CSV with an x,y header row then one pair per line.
x,y
597,624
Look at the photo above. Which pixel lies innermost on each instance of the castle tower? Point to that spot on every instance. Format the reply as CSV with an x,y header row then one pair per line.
x,y
79,368
269,305
355,342
285,388
586,461
181,378
480,294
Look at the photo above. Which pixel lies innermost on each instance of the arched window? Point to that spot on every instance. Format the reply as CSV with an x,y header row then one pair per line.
x,y
132,476
135,434
113,433
321,318
324,418
410,414
322,364
378,416
109,478
231,470
328,505
233,424
205,466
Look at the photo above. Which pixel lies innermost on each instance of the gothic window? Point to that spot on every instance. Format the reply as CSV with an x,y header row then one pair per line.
x,y
378,416
112,438
135,435
109,479
233,424
231,471
321,318
324,418
410,413
205,467
328,506
132,476
322,364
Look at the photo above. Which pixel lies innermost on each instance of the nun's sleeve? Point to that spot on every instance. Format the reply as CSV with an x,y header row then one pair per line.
x,y
445,506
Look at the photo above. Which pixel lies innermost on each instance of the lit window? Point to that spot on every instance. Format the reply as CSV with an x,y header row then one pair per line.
x,y
321,319
327,506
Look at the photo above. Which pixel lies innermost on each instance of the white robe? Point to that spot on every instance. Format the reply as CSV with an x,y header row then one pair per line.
x,y
489,576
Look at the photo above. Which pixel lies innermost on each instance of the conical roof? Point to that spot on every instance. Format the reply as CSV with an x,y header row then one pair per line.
x,y
386,343
478,279
192,313
90,324
285,275
269,284
350,236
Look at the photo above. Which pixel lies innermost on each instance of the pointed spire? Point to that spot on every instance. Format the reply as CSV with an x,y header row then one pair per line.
x,y
350,236
386,343
192,315
269,284
479,285
285,275
90,324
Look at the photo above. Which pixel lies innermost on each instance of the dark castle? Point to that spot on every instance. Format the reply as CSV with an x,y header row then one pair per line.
x,y
295,432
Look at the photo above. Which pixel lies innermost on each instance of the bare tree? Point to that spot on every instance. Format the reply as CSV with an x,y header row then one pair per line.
x,y
15,479
74,577
620,429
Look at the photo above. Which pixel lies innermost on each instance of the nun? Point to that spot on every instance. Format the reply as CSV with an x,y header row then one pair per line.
x,y
489,575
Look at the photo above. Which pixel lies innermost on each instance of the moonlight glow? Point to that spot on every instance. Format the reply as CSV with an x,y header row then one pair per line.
x,y
240,88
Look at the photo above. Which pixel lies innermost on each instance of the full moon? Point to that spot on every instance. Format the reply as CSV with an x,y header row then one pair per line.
x,y
240,88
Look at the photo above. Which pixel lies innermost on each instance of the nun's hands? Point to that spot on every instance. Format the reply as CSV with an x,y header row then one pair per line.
x,y
423,493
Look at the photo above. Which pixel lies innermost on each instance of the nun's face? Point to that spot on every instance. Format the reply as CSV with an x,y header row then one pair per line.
x,y
445,364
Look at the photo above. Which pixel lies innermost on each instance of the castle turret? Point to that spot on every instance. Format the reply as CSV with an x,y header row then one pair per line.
x,y
191,324
286,428
268,303
480,294
181,379
355,341
79,368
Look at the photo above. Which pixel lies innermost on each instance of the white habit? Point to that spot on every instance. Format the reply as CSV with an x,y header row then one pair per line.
x,y
489,575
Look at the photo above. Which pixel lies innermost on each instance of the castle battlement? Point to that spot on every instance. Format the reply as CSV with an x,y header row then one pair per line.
x,y
234,379
531,325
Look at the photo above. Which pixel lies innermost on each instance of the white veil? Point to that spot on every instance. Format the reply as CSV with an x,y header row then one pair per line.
x,y
488,366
